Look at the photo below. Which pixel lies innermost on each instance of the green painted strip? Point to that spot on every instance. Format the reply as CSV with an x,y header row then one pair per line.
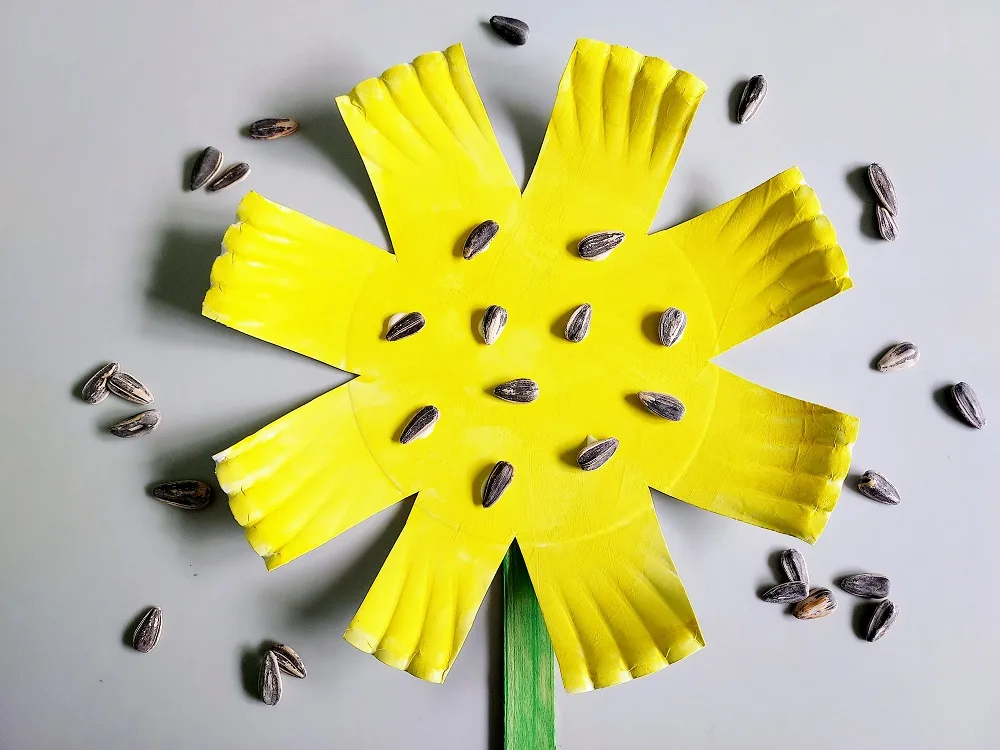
x,y
529,697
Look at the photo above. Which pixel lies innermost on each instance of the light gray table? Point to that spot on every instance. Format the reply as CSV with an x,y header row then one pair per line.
x,y
103,255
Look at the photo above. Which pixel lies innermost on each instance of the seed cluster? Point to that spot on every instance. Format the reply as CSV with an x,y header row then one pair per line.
x,y
207,168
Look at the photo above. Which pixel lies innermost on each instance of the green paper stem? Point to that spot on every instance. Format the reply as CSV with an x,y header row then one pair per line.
x,y
529,697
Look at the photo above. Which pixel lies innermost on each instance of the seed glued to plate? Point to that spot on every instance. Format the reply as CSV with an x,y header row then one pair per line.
x,y
882,619
511,30
876,487
497,482
128,387
232,175
866,585
786,593
138,425
95,390
672,325
517,391
753,95
888,230
902,356
273,127
662,405
147,632
597,453
269,683
206,166
578,325
402,325
794,566
492,325
189,494
420,425
480,238
884,190
289,662
819,603
968,406
598,246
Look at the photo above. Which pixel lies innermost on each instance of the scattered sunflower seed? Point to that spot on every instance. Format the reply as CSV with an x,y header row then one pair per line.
x,y
511,30
96,389
672,325
147,632
492,324
578,325
497,482
232,175
269,683
480,238
207,165
402,325
883,188
794,565
899,357
289,662
140,424
272,127
189,494
888,230
968,405
662,405
599,246
819,603
129,388
421,425
517,391
866,585
882,619
876,487
786,593
596,454
753,95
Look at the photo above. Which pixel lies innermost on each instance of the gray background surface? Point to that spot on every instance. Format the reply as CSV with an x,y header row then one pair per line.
x,y
103,255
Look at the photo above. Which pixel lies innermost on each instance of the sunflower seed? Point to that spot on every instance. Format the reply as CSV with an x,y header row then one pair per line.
x,y
128,387
794,565
596,454
480,238
497,482
96,389
866,585
207,165
882,619
672,325
510,29
899,357
269,683
578,325
819,603
876,487
599,246
273,127
289,662
140,424
402,325
189,494
888,230
662,405
786,593
753,95
492,324
968,405
883,188
421,425
147,632
518,391
232,175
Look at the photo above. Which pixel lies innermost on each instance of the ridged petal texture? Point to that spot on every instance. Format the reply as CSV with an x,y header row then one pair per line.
x,y
608,590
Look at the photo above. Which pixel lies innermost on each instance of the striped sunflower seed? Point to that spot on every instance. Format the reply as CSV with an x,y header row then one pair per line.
x,y
883,188
662,405
888,230
876,487
882,619
672,325
511,30
189,494
128,387
232,175
786,593
95,390
578,325
497,482
147,632
794,565
599,246
967,404
493,322
753,95
517,391
480,238
866,585
819,603
138,425
289,662
206,166
597,453
899,357
420,425
402,325
269,683
273,127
